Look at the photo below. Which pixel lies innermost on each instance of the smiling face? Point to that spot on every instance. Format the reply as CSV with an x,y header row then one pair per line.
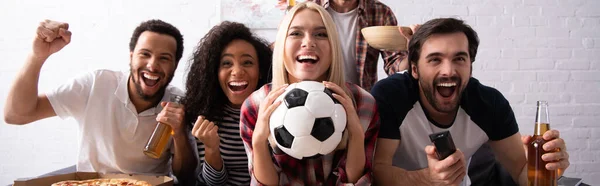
x,y
443,71
307,54
152,65
238,71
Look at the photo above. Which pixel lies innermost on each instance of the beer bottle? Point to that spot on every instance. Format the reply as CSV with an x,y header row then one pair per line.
x,y
161,136
537,174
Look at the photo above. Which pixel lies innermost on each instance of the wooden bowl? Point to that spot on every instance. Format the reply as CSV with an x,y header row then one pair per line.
x,y
386,38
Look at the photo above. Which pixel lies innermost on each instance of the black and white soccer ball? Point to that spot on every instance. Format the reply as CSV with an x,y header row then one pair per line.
x,y
309,122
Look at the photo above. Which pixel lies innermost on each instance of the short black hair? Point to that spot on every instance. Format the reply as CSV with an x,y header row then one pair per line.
x,y
440,26
204,95
161,27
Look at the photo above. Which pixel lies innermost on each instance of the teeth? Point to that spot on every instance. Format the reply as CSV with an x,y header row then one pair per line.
x,y
303,57
150,77
239,83
446,84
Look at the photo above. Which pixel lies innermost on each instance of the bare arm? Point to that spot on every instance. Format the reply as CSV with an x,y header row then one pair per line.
x,y
184,159
387,174
213,172
355,163
263,166
23,104
264,171
511,155
355,155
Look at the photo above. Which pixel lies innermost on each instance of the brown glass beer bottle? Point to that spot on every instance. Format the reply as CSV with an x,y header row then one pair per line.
x,y
537,174
161,136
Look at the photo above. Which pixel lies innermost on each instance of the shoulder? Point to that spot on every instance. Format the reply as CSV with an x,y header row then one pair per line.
x,y
253,101
109,74
261,93
101,76
399,85
376,6
488,108
482,96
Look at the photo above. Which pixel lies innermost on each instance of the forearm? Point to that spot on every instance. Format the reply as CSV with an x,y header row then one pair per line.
x,y
355,162
522,179
263,168
395,62
403,64
213,158
184,161
22,96
213,171
392,175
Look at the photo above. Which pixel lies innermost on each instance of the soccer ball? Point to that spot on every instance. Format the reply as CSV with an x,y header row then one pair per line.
x,y
309,122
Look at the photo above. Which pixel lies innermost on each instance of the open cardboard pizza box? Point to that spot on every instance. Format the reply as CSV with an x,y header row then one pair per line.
x,y
47,181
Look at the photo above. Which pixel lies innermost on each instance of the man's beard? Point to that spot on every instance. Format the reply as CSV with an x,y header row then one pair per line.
x,y
429,93
138,87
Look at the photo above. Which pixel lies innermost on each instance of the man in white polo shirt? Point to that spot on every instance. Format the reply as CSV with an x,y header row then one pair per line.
x,y
116,111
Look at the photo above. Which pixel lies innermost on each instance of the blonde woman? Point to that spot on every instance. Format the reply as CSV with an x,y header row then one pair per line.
x,y
307,48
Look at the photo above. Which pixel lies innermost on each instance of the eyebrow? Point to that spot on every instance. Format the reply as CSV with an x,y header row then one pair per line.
x,y
437,54
301,27
231,55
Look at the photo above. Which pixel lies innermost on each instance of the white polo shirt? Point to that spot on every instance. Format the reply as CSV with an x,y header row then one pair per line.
x,y
112,134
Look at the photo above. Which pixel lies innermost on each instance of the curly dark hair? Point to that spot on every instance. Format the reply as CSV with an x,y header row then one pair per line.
x,y
161,27
204,95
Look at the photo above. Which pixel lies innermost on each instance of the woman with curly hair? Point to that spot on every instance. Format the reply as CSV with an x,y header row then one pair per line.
x,y
228,64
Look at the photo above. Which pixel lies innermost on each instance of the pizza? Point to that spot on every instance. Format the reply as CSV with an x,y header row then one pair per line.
x,y
103,182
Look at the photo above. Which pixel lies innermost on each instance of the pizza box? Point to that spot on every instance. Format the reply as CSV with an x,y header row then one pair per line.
x,y
47,181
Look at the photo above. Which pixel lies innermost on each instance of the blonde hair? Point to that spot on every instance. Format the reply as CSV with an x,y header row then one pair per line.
x,y
335,71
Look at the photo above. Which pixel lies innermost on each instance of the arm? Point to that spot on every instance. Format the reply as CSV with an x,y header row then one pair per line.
x,y
263,167
355,159
23,105
393,61
213,171
387,174
254,129
365,176
511,155
184,157
356,155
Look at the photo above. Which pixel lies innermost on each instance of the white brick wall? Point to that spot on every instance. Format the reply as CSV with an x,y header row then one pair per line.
x,y
530,50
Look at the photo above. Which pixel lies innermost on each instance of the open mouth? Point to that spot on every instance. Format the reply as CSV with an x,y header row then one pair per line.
x,y
149,79
446,90
312,59
237,86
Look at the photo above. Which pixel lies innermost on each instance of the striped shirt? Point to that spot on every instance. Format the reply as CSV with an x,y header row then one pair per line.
x,y
235,163
329,169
